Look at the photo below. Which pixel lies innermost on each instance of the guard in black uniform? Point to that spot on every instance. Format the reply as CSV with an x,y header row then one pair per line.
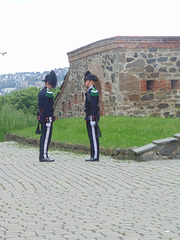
x,y
45,115
91,110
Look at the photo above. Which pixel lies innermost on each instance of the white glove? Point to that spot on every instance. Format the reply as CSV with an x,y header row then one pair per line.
x,y
93,123
48,125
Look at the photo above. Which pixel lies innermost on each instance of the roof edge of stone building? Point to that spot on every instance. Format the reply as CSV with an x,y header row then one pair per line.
x,y
129,42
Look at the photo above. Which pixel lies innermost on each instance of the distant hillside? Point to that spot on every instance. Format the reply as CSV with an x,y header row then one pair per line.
x,y
20,80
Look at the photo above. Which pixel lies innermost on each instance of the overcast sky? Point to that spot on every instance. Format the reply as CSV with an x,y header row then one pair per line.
x,y
37,34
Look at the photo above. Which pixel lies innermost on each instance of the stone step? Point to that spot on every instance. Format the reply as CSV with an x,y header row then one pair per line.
x,y
177,135
144,148
165,140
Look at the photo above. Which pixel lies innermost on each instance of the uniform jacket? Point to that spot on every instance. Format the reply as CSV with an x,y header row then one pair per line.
x,y
45,98
91,103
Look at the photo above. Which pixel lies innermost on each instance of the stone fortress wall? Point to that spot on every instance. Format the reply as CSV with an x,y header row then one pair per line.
x,y
137,76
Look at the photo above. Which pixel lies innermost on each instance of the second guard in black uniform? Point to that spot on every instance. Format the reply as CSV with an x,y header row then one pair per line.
x,y
91,110
45,115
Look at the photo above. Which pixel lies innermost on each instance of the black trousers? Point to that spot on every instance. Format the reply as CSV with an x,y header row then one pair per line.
x,y
45,140
93,139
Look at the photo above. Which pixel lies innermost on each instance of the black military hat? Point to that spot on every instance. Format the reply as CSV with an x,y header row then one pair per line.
x,y
86,74
51,78
89,76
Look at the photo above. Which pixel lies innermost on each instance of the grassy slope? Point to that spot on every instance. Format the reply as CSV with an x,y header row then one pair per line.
x,y
117,131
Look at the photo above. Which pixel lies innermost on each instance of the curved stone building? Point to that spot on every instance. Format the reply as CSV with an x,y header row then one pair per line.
x,y
137,76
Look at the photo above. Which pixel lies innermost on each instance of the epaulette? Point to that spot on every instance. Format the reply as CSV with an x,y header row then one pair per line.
x,y
49,94
94,92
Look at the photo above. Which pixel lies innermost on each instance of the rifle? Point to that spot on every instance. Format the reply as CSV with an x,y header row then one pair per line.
x,y
38,118
98,131
38,129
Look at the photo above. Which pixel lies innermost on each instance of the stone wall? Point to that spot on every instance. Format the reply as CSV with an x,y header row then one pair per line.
x,y
137,76
167,148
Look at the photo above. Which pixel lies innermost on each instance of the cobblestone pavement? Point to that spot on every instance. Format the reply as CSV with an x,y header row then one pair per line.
x,y
73,199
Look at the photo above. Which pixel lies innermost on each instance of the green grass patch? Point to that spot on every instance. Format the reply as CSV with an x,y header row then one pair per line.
x,y
117,131
12,119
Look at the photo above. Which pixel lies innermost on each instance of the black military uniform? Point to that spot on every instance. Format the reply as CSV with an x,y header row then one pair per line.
x,y
91,110
45,117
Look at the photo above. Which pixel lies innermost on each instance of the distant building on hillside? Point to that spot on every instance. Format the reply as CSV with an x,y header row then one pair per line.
x,y
27,79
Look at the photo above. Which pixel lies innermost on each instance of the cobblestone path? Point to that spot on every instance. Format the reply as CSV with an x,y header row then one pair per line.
x,y
71,199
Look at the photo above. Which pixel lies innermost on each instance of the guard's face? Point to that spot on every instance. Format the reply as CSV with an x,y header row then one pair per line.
x,y
48,85
87,82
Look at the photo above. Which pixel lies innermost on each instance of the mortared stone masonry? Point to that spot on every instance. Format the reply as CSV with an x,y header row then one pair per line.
x,y
137,76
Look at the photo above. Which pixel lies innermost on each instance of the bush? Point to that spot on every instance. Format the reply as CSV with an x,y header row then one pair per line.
x,y
25,99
